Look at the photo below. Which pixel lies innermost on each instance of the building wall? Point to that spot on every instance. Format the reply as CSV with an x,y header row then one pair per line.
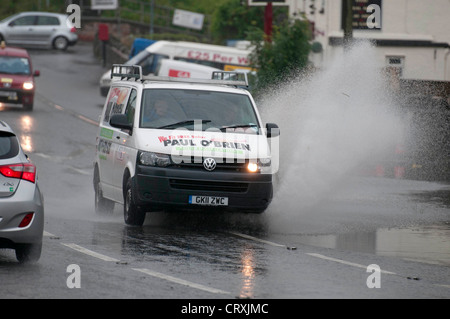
x,y
417,30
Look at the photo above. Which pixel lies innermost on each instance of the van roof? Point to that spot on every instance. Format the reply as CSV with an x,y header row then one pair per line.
x,y
199,46
134,73
178,63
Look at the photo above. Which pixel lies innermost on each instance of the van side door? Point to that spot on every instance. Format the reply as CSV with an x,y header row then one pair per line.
x,y
109,138
124,146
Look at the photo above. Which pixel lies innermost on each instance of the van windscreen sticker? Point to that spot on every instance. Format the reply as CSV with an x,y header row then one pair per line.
x,y
195,143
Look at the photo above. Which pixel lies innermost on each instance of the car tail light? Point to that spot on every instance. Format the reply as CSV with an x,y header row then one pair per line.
x,y
73,29
20,171
26,220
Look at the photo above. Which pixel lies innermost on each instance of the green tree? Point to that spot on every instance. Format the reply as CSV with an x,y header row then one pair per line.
x,y
231,20
286,53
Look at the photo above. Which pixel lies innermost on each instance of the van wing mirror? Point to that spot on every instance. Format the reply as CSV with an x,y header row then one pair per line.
x,y
120,121
272,130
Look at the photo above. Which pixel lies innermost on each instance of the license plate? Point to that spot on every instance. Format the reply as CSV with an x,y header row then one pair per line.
x,y
208,200
10,95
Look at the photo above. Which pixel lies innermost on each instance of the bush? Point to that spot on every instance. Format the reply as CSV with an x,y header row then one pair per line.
x,y
286,53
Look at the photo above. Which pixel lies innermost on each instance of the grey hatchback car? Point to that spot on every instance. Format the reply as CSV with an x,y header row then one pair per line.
x,y
21,201
38,29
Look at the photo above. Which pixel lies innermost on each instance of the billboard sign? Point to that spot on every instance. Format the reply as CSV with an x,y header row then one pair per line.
x,y
104,4
265,2
187,19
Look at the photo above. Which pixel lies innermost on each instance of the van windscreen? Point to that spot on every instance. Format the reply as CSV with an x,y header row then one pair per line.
x,y
173,108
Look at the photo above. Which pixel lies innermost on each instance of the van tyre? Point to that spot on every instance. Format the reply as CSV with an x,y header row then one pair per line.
x,y
102,205
132,213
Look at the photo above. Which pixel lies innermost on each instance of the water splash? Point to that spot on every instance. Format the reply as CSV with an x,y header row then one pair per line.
x,y
331,122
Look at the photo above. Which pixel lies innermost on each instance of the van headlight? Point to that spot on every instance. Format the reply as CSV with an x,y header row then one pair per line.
x,y
154,159
261,165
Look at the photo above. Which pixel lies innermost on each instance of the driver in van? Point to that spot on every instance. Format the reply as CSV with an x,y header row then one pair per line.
x,y
157,113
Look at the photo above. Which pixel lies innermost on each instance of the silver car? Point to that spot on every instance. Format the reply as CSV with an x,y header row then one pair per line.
x,y
38,29
21,201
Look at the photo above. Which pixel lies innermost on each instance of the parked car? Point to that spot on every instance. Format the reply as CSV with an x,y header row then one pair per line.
x,y
44,29
16,77
21,201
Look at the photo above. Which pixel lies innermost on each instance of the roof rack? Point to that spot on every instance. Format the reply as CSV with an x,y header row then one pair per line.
x,y
124,71
127,72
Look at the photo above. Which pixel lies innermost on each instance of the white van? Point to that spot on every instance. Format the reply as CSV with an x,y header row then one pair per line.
x,y
176,143
181,69
217,56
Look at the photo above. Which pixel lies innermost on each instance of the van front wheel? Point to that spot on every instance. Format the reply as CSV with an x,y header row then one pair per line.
x,y
132,213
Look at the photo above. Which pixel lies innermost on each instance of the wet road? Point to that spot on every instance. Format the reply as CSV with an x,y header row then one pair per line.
x,y
319,250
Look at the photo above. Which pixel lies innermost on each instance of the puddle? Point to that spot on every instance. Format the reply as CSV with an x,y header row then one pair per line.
x,y
428,244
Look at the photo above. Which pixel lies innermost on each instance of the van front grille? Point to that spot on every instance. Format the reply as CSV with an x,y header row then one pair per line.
x,y
222,164
199,185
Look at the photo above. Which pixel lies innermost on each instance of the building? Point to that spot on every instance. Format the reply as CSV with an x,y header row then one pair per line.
x,y
412,37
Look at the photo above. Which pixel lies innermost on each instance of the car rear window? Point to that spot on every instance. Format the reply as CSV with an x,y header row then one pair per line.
x,y
9,146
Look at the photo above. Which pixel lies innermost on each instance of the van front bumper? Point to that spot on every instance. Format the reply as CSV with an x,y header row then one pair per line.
x,y
157,188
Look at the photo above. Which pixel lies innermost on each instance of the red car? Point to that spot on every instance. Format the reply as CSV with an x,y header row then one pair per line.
x,y
16,77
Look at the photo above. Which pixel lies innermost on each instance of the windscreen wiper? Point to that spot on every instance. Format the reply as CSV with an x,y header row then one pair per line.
x,y
238,126
189,122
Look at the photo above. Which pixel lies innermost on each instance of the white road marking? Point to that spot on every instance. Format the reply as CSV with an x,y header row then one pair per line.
x,y
147,271
62,159
310,254
445,286
87,120
47,234
257,239
347,262
89,252
181,281
80,171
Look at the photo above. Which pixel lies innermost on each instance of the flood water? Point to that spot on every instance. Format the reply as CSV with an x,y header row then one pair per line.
x,y
332,123
429,244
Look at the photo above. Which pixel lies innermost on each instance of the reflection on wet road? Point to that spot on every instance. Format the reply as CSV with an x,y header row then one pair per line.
x,y
429,244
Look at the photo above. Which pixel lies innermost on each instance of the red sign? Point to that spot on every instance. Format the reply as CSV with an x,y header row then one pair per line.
x,y
179,74
103,32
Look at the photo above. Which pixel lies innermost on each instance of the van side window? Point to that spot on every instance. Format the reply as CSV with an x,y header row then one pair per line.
x,y
116,102
131,106
150,63
212,64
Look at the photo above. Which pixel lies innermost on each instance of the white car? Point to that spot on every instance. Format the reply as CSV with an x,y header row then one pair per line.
x,y
21,201
174,143
38,29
